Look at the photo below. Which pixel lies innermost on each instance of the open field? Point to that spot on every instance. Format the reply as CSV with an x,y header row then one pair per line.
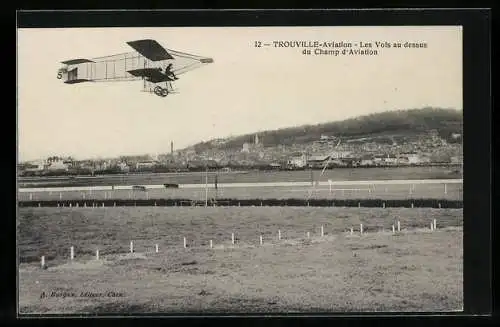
x,y
411,270
386,192
341,174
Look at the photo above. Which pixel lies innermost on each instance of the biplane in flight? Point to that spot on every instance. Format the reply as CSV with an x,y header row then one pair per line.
x,y
150,62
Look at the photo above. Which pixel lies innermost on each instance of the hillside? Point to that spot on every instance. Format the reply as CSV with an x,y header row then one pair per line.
x,y
380,127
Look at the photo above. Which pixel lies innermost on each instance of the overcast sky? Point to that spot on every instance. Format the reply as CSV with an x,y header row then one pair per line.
x,y
245,90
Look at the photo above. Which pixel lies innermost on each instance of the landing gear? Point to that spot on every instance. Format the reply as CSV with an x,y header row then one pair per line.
x,y
164,91
160,91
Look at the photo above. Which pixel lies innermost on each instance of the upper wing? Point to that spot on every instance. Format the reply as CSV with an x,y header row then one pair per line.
x,y
150,49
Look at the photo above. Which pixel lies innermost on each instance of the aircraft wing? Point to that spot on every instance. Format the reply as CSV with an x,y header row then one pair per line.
x,y
75,61
151,74
79,80
150,49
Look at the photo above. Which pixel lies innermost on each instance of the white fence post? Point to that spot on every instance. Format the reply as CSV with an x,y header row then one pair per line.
x,y
97,254
322,231
43,262
211,244
185,244
279,235
434,224
399,226
445,189
131,246
261,242
352,231
232,238
31,197
72,253
393,229
361,228
156,248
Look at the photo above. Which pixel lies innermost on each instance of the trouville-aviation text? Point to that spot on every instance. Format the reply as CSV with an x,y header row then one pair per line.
x,y
311,44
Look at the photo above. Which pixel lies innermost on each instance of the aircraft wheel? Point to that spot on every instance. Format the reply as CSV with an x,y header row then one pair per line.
x,y
164,92
158,91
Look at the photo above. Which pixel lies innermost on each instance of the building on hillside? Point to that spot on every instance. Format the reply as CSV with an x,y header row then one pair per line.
x,y
57,164
275,165
325,138
145,164
317,161
391,159
413,158
123,167
366,160
246,147
35,166
378,159
297,161
340,154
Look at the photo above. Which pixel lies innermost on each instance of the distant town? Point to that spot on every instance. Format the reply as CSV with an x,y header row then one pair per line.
x,y
327,151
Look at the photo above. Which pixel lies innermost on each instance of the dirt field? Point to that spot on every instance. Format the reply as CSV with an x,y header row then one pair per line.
x,y
413,270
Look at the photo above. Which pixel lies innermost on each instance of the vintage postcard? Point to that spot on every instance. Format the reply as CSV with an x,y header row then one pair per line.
x,y
256,170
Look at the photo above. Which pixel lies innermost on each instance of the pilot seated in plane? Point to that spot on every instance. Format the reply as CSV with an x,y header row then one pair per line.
x,y
169,73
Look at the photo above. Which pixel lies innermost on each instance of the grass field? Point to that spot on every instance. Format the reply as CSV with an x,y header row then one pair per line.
x,y
387,192
413,270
